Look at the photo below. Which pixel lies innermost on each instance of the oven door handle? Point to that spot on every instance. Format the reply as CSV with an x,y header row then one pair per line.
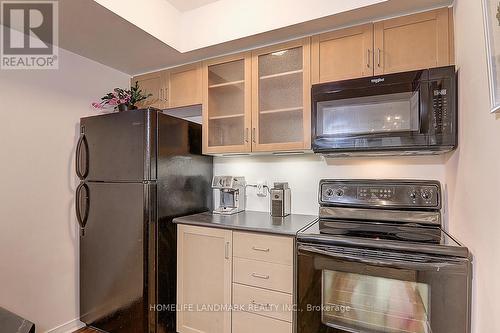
x,y
382,262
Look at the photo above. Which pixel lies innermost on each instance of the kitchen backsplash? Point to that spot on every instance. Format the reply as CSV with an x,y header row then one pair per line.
x,y
303,173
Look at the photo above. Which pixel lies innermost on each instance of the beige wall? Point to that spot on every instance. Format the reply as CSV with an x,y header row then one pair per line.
x,y
473,172
304,172
39,119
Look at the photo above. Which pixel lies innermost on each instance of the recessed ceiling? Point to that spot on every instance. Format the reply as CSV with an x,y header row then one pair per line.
x,y
185,5
224,20
94,31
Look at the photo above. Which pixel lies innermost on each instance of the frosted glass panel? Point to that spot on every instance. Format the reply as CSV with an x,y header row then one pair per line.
x,y
374,114
226,101
226,131
280,92
281,97
375,303
226,104
279,128
227,72
280,62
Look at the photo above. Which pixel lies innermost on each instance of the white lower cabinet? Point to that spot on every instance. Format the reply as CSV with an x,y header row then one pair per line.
x,y
204,269
249,275
263,274
245,322
263,302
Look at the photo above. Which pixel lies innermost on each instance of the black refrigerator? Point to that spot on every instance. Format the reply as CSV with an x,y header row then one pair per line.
x,y
138,169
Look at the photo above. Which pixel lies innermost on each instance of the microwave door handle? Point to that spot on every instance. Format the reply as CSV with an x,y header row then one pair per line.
x,y
425,107
381,262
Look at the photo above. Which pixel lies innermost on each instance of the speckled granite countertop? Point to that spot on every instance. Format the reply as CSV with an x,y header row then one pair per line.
x,y
250,221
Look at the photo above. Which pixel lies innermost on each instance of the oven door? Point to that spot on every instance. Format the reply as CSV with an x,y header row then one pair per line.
x,y
370,291
368,114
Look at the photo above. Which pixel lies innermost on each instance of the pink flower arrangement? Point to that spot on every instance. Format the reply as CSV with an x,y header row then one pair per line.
x,y
121,99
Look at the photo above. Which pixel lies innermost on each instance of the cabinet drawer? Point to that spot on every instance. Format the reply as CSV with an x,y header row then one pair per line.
x,y
277,249
263,274
245,322
263,302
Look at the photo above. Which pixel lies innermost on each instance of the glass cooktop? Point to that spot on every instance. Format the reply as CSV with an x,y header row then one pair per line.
x,y
404,237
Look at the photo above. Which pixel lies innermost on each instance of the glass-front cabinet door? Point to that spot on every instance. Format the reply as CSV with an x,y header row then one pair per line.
x,y
227,105
281,97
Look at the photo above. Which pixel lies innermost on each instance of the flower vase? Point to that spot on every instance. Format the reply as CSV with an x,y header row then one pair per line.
x,y
126,107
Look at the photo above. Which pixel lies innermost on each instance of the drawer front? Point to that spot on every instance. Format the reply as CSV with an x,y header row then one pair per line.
x,y
277,249
245,322
263,274
263,302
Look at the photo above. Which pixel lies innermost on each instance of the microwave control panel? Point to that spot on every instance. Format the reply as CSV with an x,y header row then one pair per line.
x,y
440,92
373,193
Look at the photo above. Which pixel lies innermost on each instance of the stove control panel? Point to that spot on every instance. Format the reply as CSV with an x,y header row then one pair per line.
x,y
381,193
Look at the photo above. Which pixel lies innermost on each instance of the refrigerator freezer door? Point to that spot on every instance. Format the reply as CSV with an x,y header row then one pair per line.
x,y
118,147
119,238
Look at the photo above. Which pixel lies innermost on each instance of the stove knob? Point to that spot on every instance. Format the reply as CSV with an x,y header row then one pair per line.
x,y
329,192
426,195
413,195
339,192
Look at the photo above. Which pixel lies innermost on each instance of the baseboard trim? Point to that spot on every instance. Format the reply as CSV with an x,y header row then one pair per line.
x,y
69,327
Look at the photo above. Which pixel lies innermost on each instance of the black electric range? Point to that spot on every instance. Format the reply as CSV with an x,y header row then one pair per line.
x,y
378,260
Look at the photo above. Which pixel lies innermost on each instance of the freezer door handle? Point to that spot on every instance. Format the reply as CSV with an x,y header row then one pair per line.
x,y
82,141
82,220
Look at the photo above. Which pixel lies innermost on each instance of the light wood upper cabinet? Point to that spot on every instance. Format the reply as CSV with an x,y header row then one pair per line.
x,y
227,104
155,84
451,36
342,54
172,88
204,275
260,101
281,83
185,85
412,42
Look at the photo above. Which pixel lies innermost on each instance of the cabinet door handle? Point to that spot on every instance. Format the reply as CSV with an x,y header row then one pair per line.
x,y
379,51
260,249
368,59
260,276
254,140
226,250
246,134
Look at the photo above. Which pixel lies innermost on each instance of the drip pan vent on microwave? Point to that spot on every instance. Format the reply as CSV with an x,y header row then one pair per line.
x,y
383,153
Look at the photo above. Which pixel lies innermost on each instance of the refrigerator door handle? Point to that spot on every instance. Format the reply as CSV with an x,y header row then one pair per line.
x,y
82,141
82,220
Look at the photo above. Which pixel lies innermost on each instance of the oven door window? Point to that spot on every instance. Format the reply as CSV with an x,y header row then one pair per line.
x,y
378,304
397,112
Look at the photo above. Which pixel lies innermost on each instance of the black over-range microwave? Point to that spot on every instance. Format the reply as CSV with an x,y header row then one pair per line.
x,y
395,114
